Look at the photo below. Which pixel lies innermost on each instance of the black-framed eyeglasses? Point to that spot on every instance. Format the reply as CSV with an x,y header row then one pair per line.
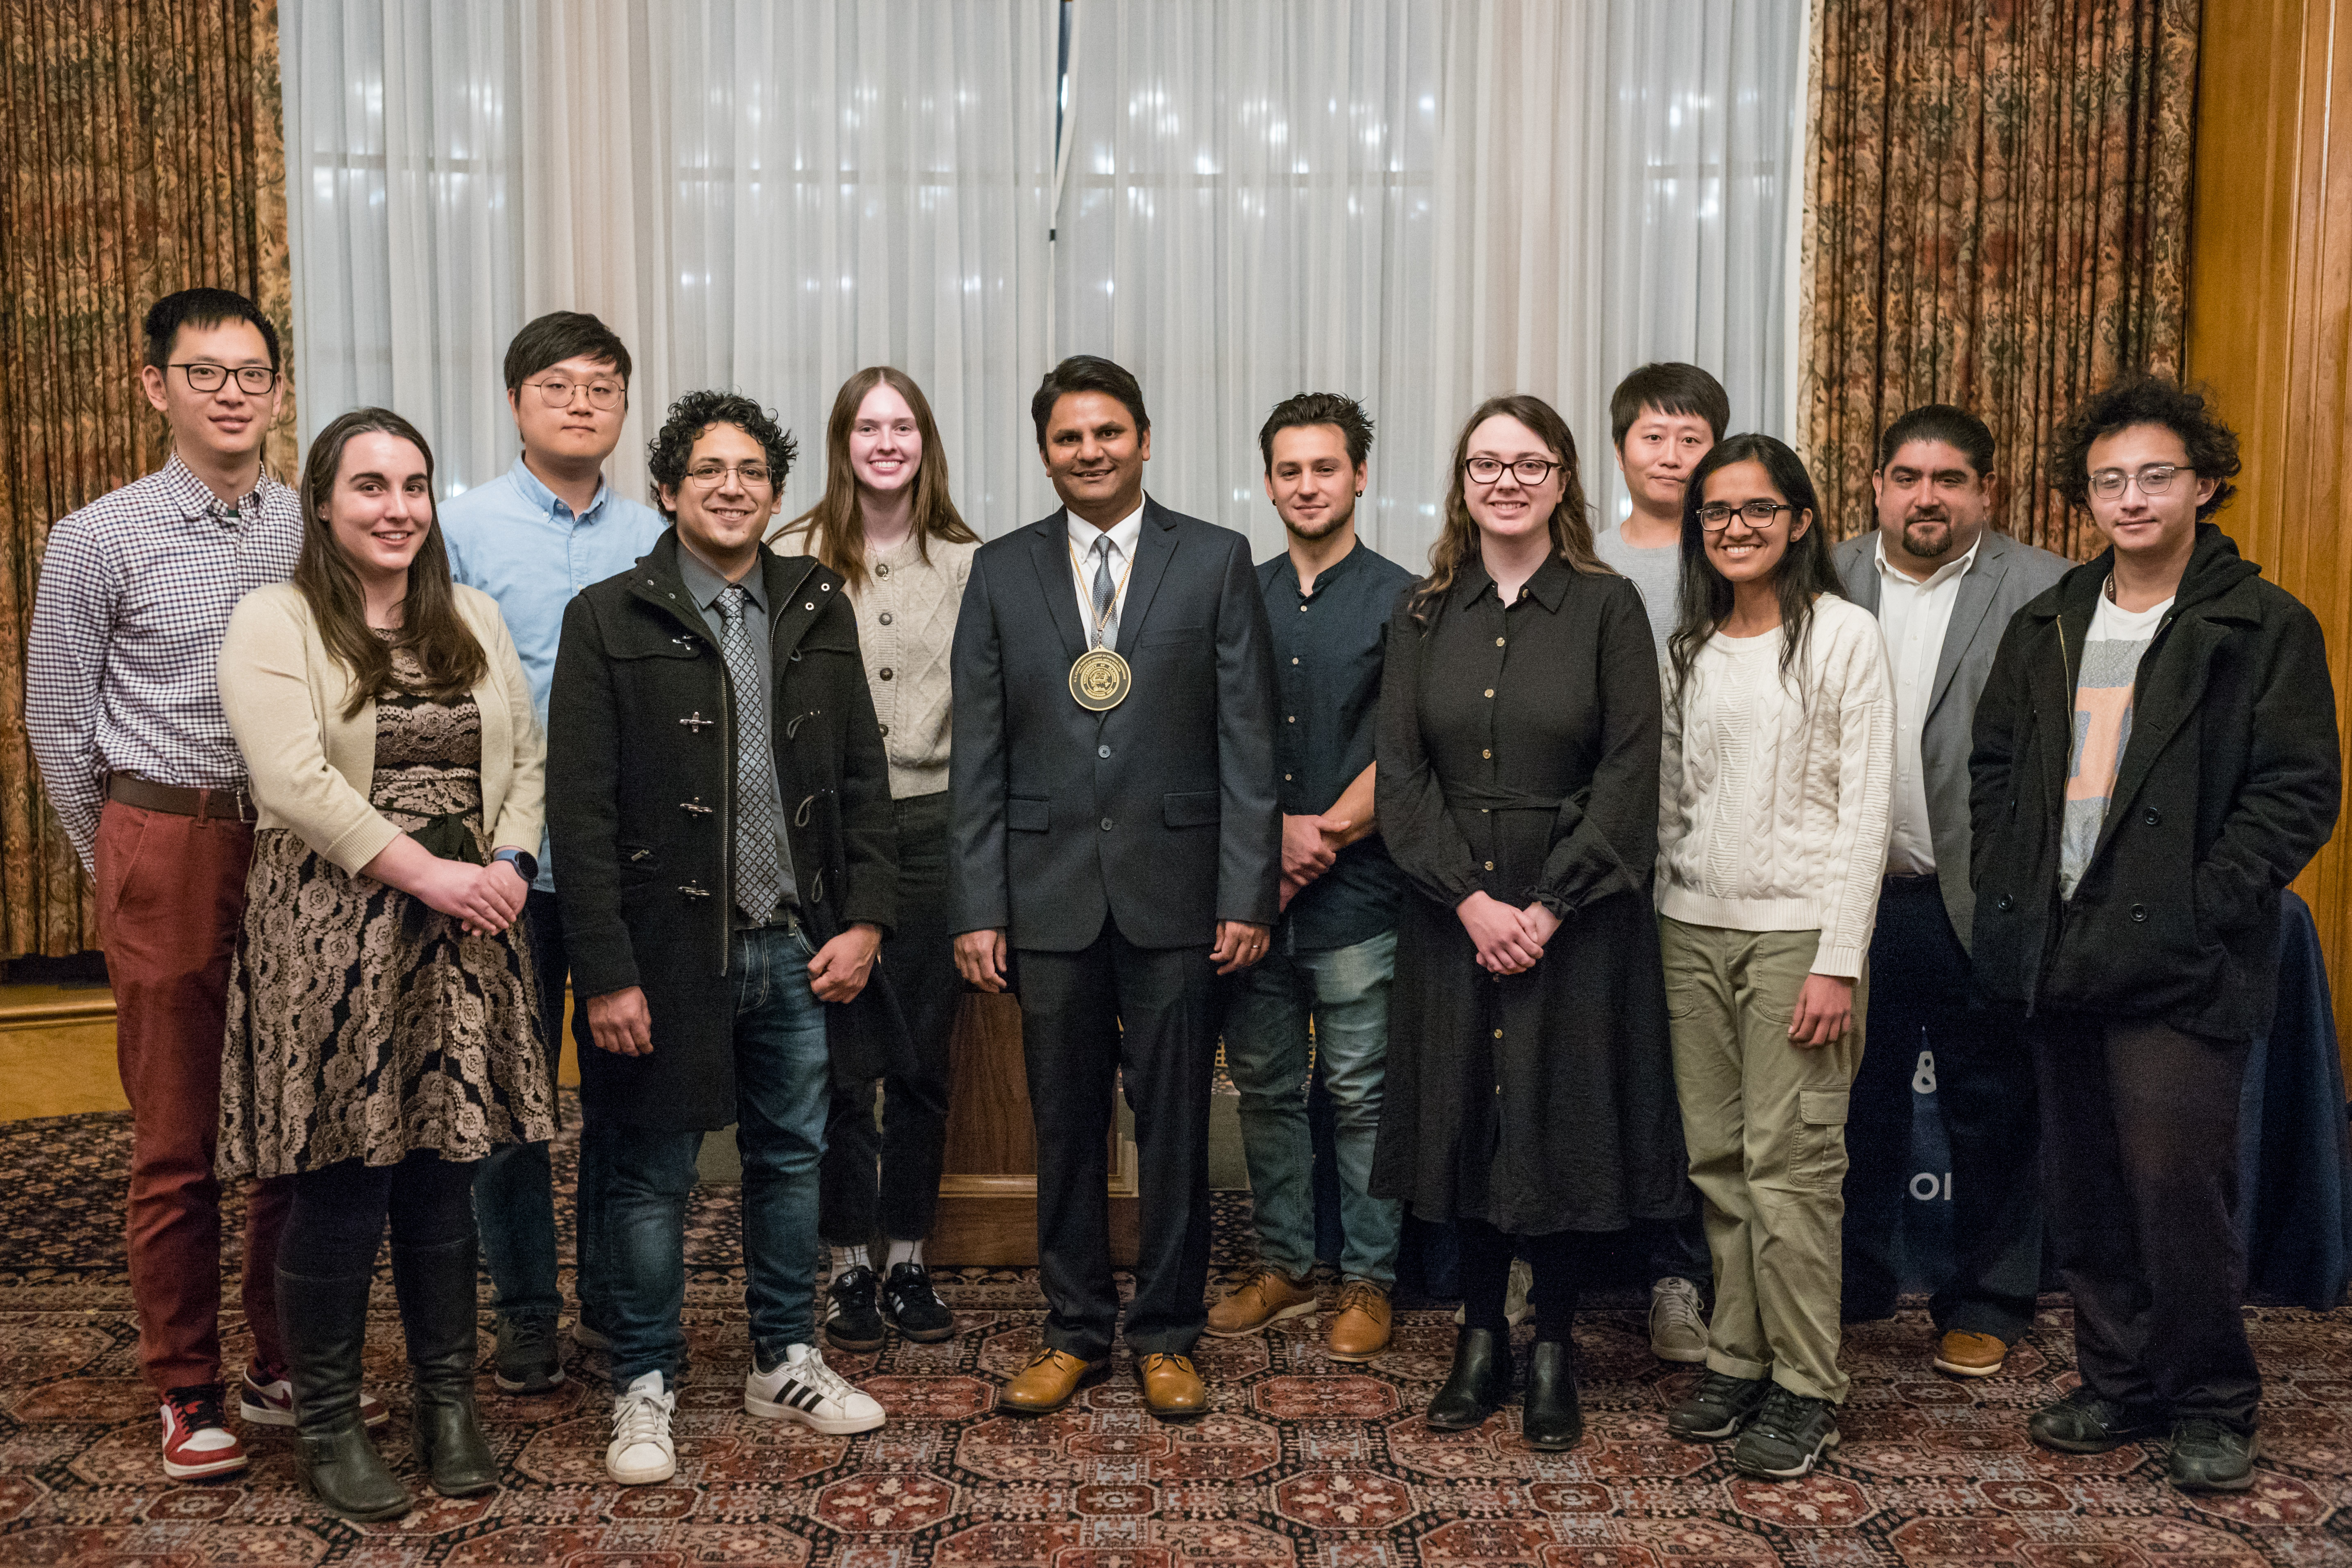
x,y
1528,472
254,380
1716,516
711,475
556,391
2153,480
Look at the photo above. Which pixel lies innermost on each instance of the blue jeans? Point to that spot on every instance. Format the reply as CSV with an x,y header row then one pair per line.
x,y
514,1200
1345,990
783,1078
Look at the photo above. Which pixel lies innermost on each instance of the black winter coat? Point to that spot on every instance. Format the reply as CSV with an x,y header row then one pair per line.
x,y
2228,786
640,804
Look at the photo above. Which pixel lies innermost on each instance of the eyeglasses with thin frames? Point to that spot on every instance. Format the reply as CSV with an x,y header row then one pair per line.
x,y
556,391
1716,516
1528,472
2153,480
711,475
253,380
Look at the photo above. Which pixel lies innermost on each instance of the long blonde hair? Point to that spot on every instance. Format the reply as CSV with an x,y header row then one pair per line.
x,y
1457,537
837,524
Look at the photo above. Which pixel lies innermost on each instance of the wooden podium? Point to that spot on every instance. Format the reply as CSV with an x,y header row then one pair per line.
x,y
988,1193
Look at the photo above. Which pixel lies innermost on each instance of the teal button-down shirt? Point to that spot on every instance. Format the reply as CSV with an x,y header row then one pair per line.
x,y
517,542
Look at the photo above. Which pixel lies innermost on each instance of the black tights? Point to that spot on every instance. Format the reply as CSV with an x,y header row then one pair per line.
x,y
1485,1271
338,1211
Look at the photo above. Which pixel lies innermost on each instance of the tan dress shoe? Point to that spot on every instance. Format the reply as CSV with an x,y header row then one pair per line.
x,y
1268,1299
1171,1386
1360,1329
1050,1380
1964,1354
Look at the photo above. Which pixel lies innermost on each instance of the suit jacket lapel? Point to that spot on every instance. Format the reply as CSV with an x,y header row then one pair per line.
x,y
1969,612
1049,549
1154,548
1860,573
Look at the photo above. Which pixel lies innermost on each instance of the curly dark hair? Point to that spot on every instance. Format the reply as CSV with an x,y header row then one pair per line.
x,y
1319,408
690,415
2145,400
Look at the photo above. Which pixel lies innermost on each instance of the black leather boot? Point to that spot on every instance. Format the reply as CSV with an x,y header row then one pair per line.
x,y
436,1306
324,1323
1552,1419
1479,1383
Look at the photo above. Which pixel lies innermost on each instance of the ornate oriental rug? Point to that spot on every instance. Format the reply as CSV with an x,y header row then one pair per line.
x,y
1301,1461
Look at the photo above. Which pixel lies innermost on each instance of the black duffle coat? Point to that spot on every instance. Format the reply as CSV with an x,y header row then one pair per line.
x,y
2230,782
1518,753
640,806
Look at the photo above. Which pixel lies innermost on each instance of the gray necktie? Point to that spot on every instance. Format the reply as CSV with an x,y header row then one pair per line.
x,y
1105,595
759,880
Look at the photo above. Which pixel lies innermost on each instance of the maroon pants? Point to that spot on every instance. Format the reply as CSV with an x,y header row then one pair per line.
x,y
171,896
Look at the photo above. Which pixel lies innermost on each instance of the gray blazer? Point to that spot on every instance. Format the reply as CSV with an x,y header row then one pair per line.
x,y
2007,574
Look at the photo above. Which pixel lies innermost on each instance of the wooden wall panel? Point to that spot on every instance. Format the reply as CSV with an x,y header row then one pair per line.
x,y
2270,330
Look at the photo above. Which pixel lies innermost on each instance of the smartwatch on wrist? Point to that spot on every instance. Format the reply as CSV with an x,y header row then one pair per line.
x,y
525,863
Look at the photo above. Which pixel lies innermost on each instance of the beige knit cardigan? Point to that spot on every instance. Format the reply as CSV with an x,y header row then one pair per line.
x,y
310,766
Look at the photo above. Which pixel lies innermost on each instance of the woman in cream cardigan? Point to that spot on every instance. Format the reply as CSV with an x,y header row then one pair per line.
x,y
382,1035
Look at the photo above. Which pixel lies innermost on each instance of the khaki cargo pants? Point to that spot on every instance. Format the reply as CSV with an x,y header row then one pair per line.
x,y
1765,1120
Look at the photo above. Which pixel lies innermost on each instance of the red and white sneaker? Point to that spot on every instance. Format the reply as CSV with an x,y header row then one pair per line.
x,y
269,1402
197,1443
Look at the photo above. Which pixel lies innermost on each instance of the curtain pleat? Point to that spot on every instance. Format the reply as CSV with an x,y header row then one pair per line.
x,y
140,153
1997,218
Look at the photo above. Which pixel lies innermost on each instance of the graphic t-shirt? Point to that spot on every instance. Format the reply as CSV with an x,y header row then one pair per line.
x,y
2103,719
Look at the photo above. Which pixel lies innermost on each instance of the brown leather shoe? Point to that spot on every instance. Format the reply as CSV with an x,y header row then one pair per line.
x,y
1360,1329
1170,1387
1050,1380
1268,1299
1964,1354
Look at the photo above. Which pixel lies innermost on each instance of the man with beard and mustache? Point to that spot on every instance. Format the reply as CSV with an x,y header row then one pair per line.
x,y
1329,599
1944,586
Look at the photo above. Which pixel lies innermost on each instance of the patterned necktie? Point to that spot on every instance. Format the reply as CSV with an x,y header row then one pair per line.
x,y
759,880
1105,595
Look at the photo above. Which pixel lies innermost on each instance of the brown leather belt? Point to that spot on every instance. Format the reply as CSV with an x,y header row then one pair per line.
x,y
213,805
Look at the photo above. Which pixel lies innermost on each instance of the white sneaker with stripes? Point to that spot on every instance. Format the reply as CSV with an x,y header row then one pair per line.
x,y
801,1388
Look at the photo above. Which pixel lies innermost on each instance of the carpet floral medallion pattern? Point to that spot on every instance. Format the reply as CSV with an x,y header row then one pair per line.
x,y
1300,1461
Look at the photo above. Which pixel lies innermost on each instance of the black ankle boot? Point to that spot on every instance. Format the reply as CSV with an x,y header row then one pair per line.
x,y
1479,1383
1551,1419
436,1306
324,1322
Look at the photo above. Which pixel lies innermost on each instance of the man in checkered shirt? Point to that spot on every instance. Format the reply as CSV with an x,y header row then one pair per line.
x,y
124,711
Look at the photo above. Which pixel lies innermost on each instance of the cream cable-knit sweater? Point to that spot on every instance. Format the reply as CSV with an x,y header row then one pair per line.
x,y
1774,811
906,629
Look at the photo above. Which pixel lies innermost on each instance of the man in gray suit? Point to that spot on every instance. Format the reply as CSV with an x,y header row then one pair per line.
x,y
1943,585
1117,844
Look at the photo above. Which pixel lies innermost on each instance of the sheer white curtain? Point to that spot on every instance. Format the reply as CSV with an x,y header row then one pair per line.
x,y
404,215
757,193
1651,223
1247,214
1421,202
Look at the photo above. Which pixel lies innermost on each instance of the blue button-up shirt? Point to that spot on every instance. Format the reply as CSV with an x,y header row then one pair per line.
x,y
517,542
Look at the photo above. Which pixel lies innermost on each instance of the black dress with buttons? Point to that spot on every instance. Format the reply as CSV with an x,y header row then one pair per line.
x,y
1518,754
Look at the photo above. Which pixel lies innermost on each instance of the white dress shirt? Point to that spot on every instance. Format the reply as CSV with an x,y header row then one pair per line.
x,y
1913,614
1123,535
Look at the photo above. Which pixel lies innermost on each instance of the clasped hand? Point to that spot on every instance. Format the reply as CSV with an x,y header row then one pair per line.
x,y
1509,941
484,900
1310,847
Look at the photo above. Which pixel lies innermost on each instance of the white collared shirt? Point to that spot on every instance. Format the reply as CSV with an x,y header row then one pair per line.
x,y
1913,614
1124,536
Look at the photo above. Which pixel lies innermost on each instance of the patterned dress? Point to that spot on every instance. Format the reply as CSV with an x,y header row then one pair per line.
x,y
363,1024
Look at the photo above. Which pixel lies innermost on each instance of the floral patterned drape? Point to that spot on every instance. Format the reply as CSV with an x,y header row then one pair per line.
x,y
140,153
1996,217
